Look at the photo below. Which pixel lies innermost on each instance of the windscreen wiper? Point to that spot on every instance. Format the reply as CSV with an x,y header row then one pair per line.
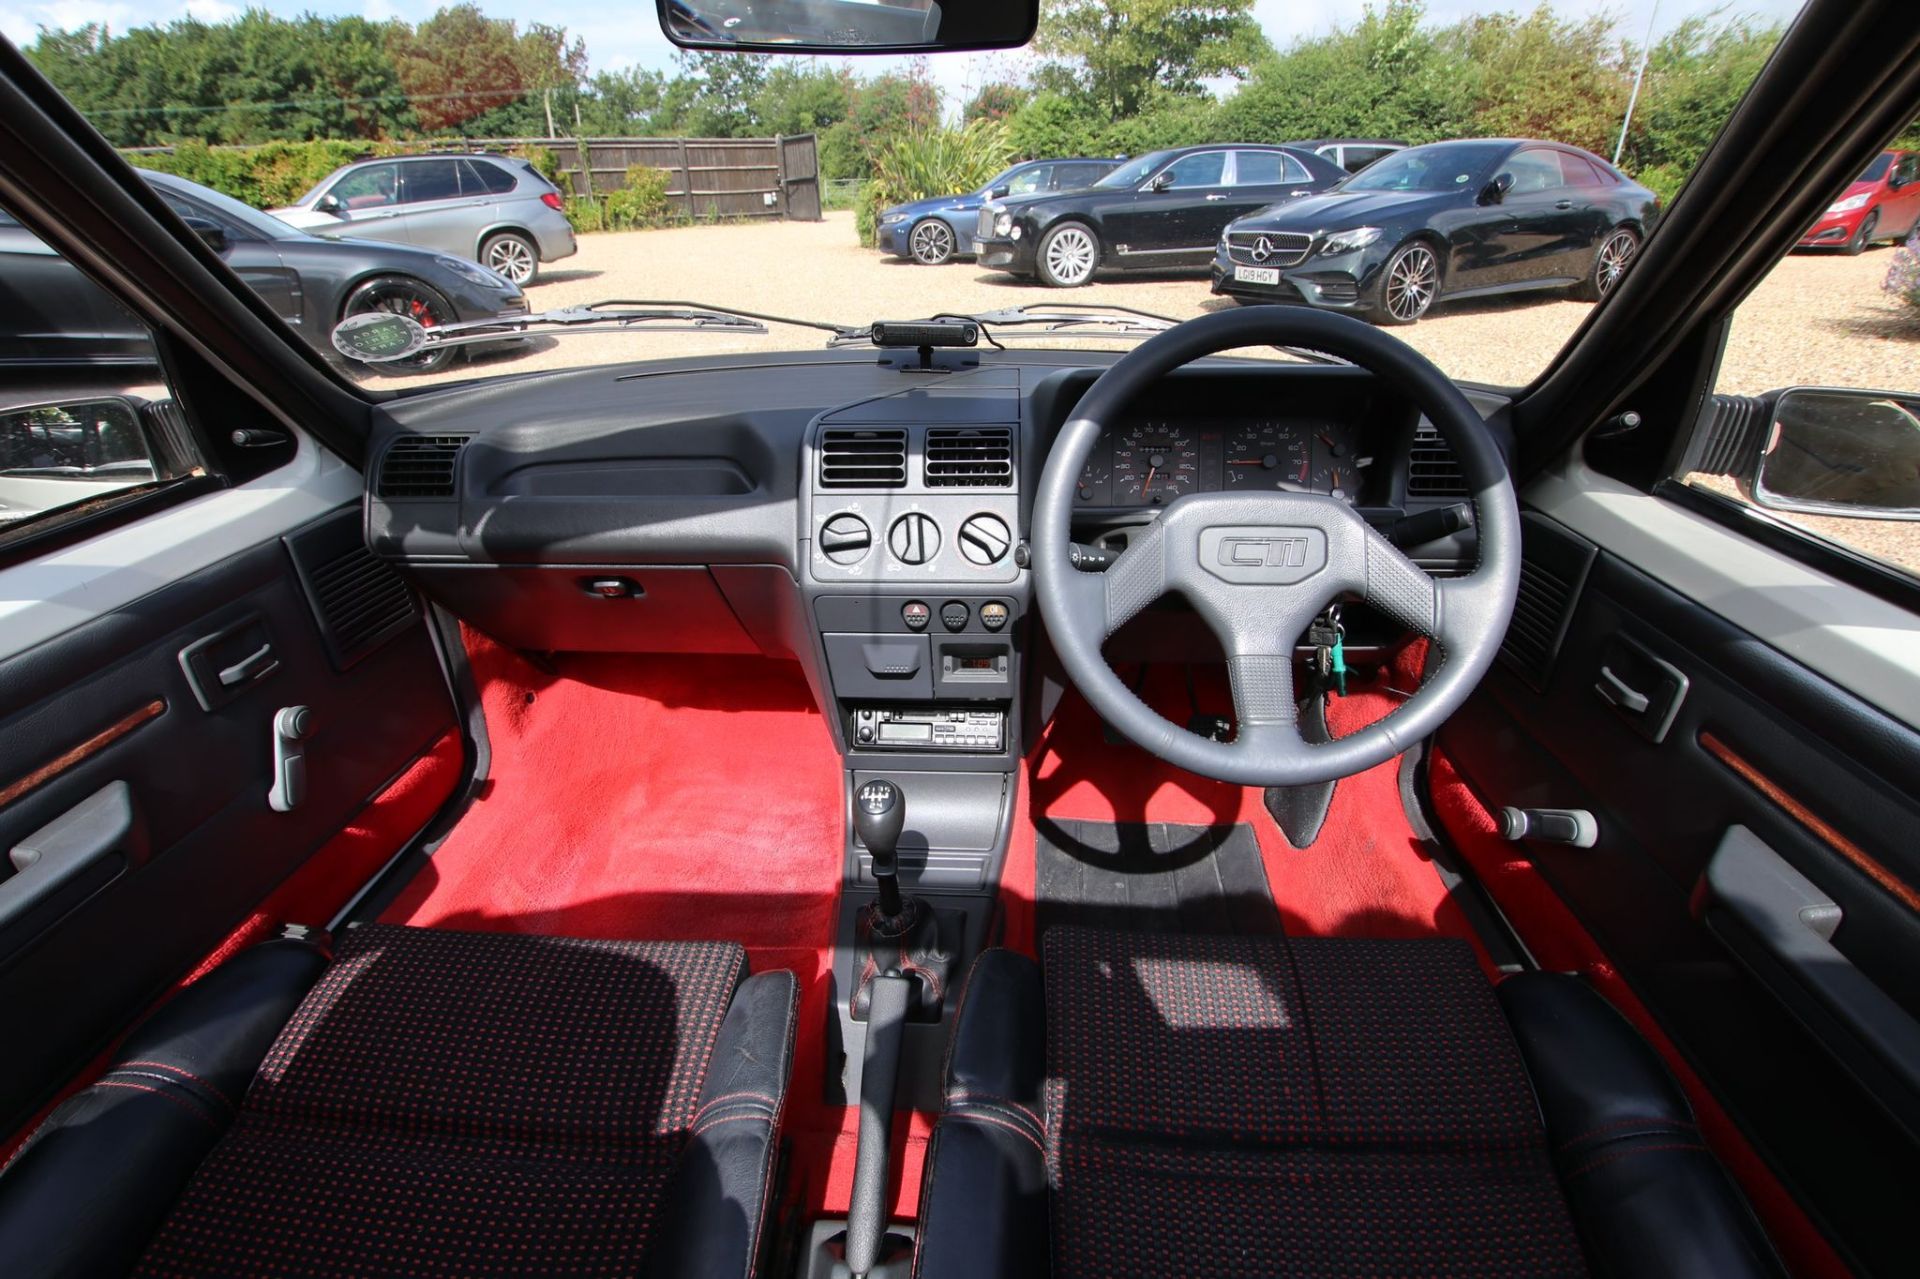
x,y
380,337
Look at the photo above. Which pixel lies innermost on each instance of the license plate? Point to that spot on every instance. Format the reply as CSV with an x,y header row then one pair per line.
x,y
1257,274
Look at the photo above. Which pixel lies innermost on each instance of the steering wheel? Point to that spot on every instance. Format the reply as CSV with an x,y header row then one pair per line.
x,y
1258,568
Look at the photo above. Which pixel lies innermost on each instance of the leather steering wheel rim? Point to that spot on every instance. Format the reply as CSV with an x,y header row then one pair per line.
x,y
1259,567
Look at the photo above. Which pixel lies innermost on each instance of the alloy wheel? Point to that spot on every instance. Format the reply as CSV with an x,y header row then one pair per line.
x,y
1613,259
1413,280
512,257
931,242
1070,255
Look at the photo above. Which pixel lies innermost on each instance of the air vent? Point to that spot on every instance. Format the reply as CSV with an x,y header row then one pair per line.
x,y
851,459
1434,471
1554,563
420,466
969,457
360,602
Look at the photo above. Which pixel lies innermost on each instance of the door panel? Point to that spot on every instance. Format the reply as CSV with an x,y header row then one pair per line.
x,y
434,211
107,712
1762,744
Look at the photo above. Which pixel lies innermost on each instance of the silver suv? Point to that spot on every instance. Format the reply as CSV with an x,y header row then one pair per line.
x,y
494,209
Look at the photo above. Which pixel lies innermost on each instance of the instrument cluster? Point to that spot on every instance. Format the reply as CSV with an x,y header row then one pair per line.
x,y
1151,461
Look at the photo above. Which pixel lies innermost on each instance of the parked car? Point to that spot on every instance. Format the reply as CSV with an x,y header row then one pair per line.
x,y
939,229
1165,209
1447,220
53,314
1351,154
1883,204
494,209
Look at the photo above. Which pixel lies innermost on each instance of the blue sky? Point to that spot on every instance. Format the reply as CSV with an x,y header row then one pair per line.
x,y
621,33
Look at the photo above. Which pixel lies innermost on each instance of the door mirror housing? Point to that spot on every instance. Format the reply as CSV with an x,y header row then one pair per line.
x,y
1161,180
1839,452
999,191
1496,191
329,204
208,230
66,451
848,26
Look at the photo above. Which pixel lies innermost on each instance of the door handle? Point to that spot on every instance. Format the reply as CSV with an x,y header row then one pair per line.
x,y
66,856
1216,196
1563,204
1617,691
250,668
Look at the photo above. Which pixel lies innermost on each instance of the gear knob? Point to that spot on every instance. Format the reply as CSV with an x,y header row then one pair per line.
x,y
879,813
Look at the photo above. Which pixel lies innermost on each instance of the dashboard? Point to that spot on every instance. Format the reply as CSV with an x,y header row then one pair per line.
x,y
1151,461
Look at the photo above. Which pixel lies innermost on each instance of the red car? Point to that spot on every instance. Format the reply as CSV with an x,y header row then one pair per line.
x,y
1884,204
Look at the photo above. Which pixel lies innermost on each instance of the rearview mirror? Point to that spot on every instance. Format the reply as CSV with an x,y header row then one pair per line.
x,y
1496,191
848,26
1849,453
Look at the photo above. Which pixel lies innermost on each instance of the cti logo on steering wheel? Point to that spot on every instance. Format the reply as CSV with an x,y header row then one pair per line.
x,y
1268,555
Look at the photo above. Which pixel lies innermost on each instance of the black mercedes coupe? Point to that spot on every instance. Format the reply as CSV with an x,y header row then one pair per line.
x,y
1444,221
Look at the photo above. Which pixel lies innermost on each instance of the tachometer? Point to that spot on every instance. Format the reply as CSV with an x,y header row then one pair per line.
x,y
1154,462
1269,455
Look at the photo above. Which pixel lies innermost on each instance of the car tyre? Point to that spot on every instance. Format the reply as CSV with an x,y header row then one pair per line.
x,y
1067,255
511,255
404,295
1869,227
931,242
1616,253
1409,285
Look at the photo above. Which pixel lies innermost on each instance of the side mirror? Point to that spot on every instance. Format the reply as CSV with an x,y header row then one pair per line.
x,y
212,232
68,451
1161,180
1496,191
329,203
1835,452
999,191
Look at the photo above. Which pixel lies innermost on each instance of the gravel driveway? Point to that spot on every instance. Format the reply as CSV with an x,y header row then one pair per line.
x,y
1817,319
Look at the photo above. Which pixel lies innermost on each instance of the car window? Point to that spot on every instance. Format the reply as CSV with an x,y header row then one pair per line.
x,y
1784,436
373,187
1907,170
1534,170
431,180
90,440
1267,168
1027,181
1202,170
1070,177
1575,171
485,177
1354,159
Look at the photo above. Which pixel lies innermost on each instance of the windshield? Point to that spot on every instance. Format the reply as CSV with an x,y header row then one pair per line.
x,y
262,224
1878,169
569,157
1132,175
1436,168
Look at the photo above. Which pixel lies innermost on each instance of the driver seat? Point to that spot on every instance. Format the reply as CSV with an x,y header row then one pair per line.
x,y
1154,1105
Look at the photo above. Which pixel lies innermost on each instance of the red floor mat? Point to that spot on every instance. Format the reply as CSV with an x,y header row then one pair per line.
x,y
1366,875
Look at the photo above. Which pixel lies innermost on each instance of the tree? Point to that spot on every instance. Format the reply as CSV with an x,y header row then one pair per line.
x,y
1544,76
809,98
713,95
995,101
1116,53
460,64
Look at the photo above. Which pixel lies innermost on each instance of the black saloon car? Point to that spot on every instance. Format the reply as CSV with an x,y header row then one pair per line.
x,y
1448,220
310,282
1162,210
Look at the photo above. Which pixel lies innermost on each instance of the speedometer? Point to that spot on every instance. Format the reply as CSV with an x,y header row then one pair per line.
x,y
1269,455
1155,462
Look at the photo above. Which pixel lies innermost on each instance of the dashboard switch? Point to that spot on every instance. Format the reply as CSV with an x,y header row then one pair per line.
x,y
914,538
845,539
916,615
953,615
993,615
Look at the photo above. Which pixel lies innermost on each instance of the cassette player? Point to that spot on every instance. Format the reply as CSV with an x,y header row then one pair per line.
x,y
929,730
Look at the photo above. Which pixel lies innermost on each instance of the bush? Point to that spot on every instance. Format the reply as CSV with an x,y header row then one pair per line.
x,y
1903,273
638,205
936,161
266,176
1053,124
1664,180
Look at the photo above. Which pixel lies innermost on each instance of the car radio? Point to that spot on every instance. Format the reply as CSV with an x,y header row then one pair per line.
x,y
928,730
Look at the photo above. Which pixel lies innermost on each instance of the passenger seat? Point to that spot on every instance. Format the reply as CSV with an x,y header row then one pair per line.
x,y
424,1102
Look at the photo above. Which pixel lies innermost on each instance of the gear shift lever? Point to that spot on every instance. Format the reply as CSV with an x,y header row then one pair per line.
x,y
879,814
